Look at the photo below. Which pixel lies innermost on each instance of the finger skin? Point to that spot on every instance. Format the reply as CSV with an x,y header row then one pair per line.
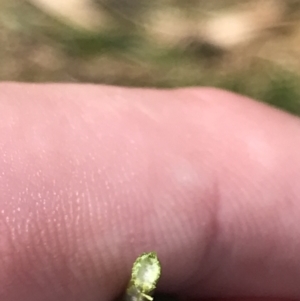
x,y
91,176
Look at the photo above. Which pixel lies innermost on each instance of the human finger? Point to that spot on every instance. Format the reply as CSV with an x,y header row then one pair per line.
x,y
92,176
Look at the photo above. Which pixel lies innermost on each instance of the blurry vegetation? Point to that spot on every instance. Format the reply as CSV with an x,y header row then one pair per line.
x,y
251,47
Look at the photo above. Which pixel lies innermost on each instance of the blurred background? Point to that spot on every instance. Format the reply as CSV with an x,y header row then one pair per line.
x,y
251,47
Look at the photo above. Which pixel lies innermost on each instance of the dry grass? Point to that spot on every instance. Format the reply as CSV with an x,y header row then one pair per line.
x,y
164,44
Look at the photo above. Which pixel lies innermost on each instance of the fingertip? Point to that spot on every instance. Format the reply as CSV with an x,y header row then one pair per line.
x,y
108,173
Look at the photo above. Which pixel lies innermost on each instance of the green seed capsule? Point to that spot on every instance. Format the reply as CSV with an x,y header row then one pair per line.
x,y
145,274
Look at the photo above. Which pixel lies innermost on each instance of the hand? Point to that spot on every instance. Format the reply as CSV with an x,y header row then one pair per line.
x,y
92,176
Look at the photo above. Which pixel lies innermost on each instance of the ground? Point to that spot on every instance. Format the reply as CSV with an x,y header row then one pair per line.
x,y
253,48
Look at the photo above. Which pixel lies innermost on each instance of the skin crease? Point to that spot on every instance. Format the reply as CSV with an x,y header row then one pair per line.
x,y
92,176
